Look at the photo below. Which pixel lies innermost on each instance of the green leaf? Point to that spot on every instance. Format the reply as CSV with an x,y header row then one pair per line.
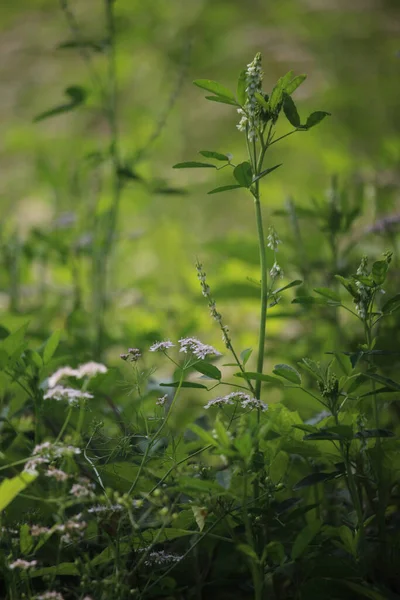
x,y
276,97
10,488
203,434
287,372
224,188
391,305
216,155
311,367
340,432
349,285
243,174
315,118
290,110
384,380
286,79
249,552
51,346
309,300
259,377
266,172
374,433
327,293
294,283
25,539
185,384
294,84
15,341
60,569
194,165
208,369
241,88
262,101
379,270
245,355
76,95
222,100
215,88
221,432
94,45
34,358
204,486
314,479
304,538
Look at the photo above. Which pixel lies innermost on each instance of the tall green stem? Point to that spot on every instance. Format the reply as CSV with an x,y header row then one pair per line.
x,y
264,291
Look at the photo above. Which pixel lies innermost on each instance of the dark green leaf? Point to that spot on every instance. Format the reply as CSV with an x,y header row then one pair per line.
x,y
224,188
315,478
216,155
294,84
327,293
288,286
391,305
308,300
339,432
127,173
290,110
315,118
349,285
260,377
379,270
76,96
385,381
287,372
193,165
374,433
208,369
241,88
382,390
245,355
222,100
214,87
243,174
51,346
95,46
185,384
266,172
304,538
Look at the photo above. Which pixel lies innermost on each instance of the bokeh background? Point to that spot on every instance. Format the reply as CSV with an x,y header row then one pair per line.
x,y
56,185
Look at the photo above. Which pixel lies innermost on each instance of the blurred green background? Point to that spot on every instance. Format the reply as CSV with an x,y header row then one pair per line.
x,y
56,188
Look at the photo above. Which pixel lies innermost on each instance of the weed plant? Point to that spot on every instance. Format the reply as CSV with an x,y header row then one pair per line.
x,y
113,491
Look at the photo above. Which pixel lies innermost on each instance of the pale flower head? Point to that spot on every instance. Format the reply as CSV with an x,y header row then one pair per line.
x,y
198,349
20,563
66,393
54,379
161,346
90,369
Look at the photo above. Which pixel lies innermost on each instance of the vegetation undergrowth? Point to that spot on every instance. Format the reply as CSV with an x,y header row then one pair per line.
x,y
114,491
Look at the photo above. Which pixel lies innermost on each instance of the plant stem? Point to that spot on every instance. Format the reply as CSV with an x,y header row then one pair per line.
x,y
264,290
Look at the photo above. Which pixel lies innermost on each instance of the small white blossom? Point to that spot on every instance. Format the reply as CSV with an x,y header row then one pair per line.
x,y
58,474
46,453
90,369
161,558
161,401
276,271
54,379
161,346
250,113
363,300
50,596
197,348
37,530
273,239
245,401
62,393
22,564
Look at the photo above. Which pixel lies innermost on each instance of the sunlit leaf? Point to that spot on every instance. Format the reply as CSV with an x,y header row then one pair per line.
x,y
214,87
216,155
193,165
294,84
224,188
243,174
287,372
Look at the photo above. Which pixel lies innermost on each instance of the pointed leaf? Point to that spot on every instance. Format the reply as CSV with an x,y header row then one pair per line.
x,y
288,372
307,300
304,538
262,101
222,100
243,174
245,355
185,384
391,305
328,293
76,95
51,346
374,433
214,87
264,173
10,488
290,110
379,270
208,369
294,283
216,155
224,188
384,380
315,118
314,479
294,84
193,165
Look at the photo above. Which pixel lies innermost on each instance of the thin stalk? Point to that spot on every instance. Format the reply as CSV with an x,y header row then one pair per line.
x,y
264,290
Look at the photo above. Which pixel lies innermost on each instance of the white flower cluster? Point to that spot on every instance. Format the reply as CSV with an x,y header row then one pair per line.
x,y
161,401
273,239
161,346
83,489
250,113
276,271
46,453
364,292
161,558
198,349
50,596
73,396
20,563
245,401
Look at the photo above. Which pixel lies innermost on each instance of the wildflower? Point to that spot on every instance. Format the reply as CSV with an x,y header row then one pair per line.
x,y
58,474
161,401
201,275
46,453
90,369
273,239
197,348
54,379
37,530
99,509
276,271
364,293
22,564
161,558
62,393
157,346
245,401
250,113
132,355
50,596
83,488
